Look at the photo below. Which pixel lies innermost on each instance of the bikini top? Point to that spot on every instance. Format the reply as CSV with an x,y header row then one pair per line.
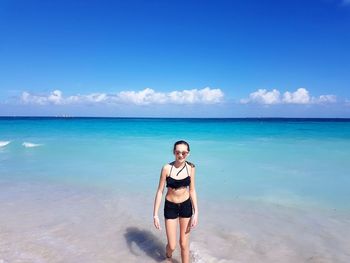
x,y
177,183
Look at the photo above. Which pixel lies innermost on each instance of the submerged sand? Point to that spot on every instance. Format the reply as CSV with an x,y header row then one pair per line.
x,y
42,222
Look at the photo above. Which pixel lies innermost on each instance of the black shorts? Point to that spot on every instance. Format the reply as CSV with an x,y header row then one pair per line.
x,y
175,210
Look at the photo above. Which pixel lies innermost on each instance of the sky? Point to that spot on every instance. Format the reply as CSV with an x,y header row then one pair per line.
x,y
239,58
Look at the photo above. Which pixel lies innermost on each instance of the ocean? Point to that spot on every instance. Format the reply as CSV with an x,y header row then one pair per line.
x,y
269,190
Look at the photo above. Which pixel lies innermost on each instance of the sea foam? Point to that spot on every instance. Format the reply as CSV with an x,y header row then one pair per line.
x,y
4,143
30,145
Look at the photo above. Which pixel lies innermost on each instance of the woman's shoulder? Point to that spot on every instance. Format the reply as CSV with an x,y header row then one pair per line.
x,y
167,166
191,164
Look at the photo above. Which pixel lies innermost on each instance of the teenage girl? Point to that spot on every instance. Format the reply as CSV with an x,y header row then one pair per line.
x,y
180,204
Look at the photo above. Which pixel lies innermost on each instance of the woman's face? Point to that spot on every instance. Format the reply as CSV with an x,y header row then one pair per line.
x,y
181,152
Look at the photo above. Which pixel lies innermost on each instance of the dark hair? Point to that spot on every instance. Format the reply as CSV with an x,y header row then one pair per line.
x,y
182,142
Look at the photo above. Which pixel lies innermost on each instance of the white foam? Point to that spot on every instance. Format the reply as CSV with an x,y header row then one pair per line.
x,y
201,255
4,143
30,145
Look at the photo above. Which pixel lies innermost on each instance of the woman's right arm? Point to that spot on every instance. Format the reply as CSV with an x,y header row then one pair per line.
x,y
158,198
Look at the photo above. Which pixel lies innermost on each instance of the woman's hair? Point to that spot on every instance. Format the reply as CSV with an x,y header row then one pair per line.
x,y
181,142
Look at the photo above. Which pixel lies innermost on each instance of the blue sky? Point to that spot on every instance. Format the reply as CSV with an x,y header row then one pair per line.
x,y
246,58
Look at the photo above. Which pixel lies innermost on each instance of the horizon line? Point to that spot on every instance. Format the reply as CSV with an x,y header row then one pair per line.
x,y
133,117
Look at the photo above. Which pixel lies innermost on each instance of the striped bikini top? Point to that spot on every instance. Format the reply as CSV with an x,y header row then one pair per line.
x,y
177,183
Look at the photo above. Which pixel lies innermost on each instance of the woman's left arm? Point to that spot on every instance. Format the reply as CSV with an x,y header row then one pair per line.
x,y
193,195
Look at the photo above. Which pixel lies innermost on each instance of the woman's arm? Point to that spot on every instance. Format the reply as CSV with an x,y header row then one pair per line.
x,y
193,195
158,198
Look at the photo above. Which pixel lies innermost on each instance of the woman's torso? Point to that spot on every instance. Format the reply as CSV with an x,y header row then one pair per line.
x,y
176,177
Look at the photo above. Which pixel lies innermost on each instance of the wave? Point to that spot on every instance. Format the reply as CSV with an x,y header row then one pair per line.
x,y
4,143
30,144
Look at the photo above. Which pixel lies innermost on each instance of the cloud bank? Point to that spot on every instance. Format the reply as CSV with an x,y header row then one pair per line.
x,y
195,96
300,96
143,97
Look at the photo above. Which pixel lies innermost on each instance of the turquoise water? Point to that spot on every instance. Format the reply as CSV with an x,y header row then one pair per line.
x,y
269,190
299,162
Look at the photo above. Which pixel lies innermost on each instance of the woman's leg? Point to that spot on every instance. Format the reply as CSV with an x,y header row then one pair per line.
x,y
170,226
185,227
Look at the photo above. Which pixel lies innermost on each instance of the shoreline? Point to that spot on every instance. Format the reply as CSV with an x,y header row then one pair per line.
x,y
53,223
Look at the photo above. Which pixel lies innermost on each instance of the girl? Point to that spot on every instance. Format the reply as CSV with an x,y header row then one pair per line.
x,y
180,201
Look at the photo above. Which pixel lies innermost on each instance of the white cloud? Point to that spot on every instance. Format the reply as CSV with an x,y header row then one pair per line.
x,y
263,96
55,97
325,99
205,95
143,97
300,96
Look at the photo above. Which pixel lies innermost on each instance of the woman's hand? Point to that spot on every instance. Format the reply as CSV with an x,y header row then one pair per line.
x,y
194,220
156,222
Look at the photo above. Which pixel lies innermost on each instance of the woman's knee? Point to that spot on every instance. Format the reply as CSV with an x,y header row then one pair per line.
x,y
183,244
171,246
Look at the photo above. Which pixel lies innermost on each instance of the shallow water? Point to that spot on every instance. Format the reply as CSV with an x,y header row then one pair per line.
x,y
58,223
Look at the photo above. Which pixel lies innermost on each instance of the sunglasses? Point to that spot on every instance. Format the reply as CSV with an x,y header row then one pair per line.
x,y
184,153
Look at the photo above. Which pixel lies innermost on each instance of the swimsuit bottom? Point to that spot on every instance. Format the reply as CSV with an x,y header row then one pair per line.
x,y
175,210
